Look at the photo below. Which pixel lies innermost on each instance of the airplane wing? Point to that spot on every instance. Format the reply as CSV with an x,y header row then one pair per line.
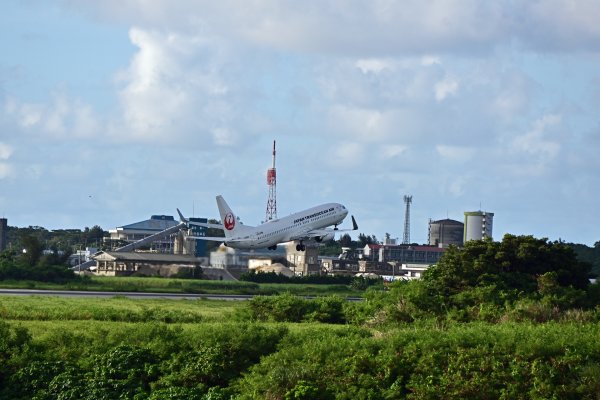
x,y
319,233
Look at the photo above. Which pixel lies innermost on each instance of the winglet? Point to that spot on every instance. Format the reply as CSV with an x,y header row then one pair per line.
x,y
354,224
181,217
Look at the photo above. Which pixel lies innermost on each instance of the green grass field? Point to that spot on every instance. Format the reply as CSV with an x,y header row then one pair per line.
x,y
54,308
116,347
196,286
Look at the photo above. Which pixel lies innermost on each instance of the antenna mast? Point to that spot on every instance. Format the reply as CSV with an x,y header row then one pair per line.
x,y
272,183
406,238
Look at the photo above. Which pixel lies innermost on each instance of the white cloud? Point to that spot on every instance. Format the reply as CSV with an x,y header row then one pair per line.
x,y
373,65
393,150
428,61
348,155
6,170
173,90
377,28
455,153
365,125
445,88
62,117
534,151
5,151
536,143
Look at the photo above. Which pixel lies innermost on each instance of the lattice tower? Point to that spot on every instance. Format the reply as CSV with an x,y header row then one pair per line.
x,y
406,237
272,183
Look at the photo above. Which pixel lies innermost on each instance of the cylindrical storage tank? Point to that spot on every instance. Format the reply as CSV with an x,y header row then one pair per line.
x,y
478,225
446,232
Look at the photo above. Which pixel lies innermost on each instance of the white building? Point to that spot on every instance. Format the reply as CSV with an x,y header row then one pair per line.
x,y
478,225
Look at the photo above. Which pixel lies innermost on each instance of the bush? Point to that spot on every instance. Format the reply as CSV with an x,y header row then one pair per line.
x,y
291,308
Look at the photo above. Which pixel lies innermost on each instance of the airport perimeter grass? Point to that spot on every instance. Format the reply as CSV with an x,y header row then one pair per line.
x,y
86,318
183,342
195,286
55,308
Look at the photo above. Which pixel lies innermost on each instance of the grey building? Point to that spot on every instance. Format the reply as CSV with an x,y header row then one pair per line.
x,y
404,254
445,232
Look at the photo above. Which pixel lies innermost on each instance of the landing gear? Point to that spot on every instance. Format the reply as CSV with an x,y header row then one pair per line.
x,y
274,247
300,247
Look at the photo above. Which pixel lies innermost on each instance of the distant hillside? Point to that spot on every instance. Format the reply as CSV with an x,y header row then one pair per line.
x,y
588,254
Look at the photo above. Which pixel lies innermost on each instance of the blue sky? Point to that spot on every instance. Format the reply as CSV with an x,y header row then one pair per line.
x,y
112,111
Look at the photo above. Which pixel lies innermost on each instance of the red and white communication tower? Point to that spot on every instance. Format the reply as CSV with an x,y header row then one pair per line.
x,y
272,183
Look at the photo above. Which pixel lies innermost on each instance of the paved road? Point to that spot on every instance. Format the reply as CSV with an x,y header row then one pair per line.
x,y
133,295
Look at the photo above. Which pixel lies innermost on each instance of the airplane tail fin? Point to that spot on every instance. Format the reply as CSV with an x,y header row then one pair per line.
x,y
231,225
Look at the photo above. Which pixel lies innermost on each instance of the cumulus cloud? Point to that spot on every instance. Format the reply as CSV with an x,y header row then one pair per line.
x,y
447,87
173,89
536,141
62,117
537,145
376,28
5,151
374,65
6,169
455,153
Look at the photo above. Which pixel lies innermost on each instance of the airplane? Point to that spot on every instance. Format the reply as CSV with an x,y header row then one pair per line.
x,y
308,225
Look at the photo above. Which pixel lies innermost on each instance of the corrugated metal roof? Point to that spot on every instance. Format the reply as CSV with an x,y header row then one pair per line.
x,y
150,225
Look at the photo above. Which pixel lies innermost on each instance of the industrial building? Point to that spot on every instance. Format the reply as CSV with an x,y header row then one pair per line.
x,y
140,230
446,232
300,262
3,233
388,261
404,254
128,263
478,225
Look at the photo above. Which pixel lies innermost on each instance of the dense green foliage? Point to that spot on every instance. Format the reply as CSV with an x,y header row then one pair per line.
x,y
67,240
515,319
519,278
266,361
588,254
33,265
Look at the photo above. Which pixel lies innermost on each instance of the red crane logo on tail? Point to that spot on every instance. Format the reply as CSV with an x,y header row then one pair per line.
x,y
229,222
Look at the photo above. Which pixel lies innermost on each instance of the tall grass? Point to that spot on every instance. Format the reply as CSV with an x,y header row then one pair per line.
x,y
49,308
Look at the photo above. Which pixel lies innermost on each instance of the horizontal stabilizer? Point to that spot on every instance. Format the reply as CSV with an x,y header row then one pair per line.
x,y
204,224
209,238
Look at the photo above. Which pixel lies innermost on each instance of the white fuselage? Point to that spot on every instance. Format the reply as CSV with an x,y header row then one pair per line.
x,y
293,227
